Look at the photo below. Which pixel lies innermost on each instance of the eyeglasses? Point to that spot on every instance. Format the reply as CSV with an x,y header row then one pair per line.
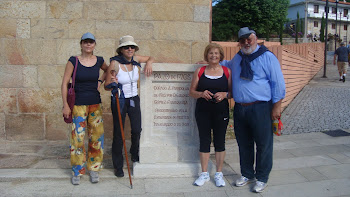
x,y
244,40
129,46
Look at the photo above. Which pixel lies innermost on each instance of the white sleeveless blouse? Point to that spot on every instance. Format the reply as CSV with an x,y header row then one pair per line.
x,y
128,78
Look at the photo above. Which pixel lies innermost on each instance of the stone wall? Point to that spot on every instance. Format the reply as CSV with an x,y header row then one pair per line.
x,y
38,37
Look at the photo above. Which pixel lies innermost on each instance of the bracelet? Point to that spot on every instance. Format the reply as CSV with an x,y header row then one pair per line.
x,y
100,80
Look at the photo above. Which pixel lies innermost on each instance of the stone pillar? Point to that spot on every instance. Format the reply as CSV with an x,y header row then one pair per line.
x,y
169,142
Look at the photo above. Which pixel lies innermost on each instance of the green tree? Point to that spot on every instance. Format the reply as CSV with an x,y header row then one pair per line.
x,y
297,26
264,16
323,25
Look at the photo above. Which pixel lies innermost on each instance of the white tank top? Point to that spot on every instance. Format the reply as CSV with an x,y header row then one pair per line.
x,y
128,78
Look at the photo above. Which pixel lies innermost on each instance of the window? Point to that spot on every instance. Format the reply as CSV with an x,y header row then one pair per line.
x,y
333,25
334,10
315,8
315,23
346,12
345,27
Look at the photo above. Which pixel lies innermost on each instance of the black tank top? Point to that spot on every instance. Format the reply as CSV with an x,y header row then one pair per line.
x,y
86,81
214,86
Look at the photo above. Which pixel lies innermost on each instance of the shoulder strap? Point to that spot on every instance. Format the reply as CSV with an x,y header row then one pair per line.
x,y
227,74
75,71
201,71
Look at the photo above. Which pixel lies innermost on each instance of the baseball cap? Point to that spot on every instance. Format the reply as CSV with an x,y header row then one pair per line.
x,y
245,32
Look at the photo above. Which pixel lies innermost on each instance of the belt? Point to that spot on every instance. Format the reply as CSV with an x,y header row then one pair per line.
x,y
247,104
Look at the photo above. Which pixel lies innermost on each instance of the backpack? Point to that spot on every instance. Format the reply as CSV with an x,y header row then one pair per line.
x,y
201,71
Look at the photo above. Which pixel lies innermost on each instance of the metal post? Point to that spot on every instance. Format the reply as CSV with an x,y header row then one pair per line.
x,y
347,21
347,26
340,24
305,22
325,42
336,23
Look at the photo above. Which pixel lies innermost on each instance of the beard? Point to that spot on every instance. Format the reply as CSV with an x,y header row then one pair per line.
x,y
247,51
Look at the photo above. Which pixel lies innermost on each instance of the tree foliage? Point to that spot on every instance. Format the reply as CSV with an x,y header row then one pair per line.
x,y
297,30
323,24
264,16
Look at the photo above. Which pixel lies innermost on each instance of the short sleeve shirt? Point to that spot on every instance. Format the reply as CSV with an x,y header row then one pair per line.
x,y
342,53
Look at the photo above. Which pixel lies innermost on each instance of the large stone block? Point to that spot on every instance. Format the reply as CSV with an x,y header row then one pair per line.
x,y
11,76
30,51
50,76
112,29
184,31
15,76
24,126
105,48
23,28
167,51
104,10
64,9
39,100
8,100
198,51
202,14
187,2
22,9
77,27
2,126
49,28
67,48
108,125
56,128
8,28
30,77
158,12
2,52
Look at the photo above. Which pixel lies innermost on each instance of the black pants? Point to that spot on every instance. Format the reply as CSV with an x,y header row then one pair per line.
x,y
212,116
134,114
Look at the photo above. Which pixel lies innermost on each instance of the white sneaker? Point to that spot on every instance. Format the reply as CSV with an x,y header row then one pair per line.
x,y
203,177
259,187
219,181
242,181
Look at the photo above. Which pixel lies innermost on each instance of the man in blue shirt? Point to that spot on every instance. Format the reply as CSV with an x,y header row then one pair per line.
x,y
258,89
342,52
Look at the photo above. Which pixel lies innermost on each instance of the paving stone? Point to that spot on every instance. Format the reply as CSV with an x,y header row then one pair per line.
x,y
302,162
326,188
335,171
319,150
311,174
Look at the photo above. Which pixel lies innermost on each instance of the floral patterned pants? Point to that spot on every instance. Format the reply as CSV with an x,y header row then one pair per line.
x,y
86,117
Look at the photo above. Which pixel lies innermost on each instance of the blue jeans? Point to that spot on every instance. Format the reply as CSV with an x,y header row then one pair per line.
x,y
253,125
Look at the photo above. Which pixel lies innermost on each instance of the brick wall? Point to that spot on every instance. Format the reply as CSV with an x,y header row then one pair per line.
x,y
38,37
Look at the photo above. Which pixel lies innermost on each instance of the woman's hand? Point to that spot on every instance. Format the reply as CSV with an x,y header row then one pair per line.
x,y
66,111
219,96
148,69
207,95
114,79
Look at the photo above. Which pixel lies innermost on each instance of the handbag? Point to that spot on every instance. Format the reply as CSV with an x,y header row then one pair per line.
x,y
71,94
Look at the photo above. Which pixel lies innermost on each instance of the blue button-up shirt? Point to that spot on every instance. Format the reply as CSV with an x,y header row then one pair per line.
x,y
267,84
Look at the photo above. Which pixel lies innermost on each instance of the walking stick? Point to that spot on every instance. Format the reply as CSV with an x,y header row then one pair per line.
x,y
122,131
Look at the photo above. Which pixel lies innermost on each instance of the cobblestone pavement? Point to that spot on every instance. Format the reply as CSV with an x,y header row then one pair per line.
x,y
322,105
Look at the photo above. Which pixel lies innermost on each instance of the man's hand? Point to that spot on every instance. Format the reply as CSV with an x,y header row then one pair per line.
x,y
276,110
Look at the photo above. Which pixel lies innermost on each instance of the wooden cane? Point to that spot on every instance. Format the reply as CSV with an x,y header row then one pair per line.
x,y
122,131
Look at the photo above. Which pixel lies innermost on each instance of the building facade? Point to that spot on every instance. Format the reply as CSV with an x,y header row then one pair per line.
x,y
311,12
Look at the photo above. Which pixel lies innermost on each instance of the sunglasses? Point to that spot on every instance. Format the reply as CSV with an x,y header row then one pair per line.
x,y
129,46
244,40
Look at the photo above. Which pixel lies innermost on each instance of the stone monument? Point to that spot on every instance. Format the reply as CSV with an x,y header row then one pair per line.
x,y
169,144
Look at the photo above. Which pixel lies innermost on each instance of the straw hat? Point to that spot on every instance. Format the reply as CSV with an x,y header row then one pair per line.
x,y
127,41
